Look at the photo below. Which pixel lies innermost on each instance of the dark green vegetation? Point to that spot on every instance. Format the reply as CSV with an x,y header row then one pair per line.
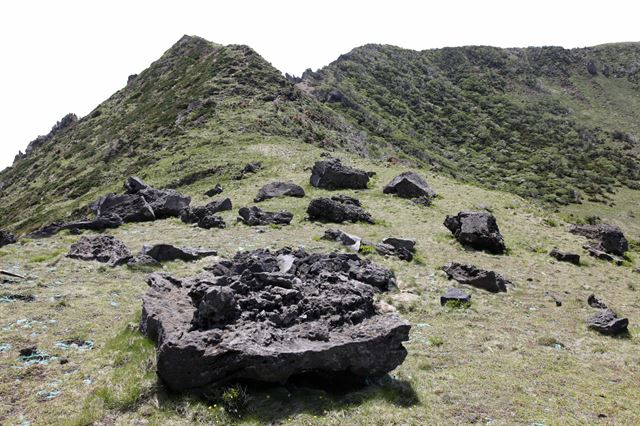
x,y
545,123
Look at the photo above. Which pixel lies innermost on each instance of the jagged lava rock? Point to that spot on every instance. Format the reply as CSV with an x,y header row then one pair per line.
x,y
456,295
255,216
167,252
332,174
103,248
6,238
608,238
279,189
337,210
478,230
261,317
469,274
565,256
409,185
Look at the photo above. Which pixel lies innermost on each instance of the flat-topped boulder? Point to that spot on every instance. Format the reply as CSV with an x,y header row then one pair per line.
x,y
409,185
255,216
478,230
7,238
279,189
268,316
606,321
480,278
338,209
168,252
604,237
332,174
102,248
129,207
565,256
454,295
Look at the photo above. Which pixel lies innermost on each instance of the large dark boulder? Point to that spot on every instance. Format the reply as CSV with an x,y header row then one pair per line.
x,y
129,207
565,256
332,174
6,238
480,278
196,214
409,185
478,230
270,316
165,202
605,321
337,210
102,248
168,252
604,237
255,216
279,189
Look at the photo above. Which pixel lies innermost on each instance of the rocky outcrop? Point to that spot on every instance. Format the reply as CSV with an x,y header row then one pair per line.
x,y
454,295
6,238
337,210
279,189
565,256
102,248
269,316
480,278
255,216
603,237
332,174
168,252
65,122
409,185
478,230
605,321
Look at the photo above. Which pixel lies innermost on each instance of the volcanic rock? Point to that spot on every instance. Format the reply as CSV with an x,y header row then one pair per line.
x,y
103,248
478,230
401,243
337,209
605,321
255,216
409,185
351,241
469,274
248,168
134,184
211,221
196,214
608,238
6,238
279,189
602,255
454,294
565,256
247,319
331,174
142,260
167,252
129,207
214,191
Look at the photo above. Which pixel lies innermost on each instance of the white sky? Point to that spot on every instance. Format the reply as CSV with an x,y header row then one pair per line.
x,y
68,56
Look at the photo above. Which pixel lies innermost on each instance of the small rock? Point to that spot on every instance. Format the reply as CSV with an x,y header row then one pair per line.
x,y
254,216
214,191
142,260
605,321
602,255
565,256
279,189
102,248
211,221
455,294
469,274
351,241
168,252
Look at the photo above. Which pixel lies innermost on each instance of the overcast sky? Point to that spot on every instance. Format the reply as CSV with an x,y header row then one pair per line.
x,y
68,56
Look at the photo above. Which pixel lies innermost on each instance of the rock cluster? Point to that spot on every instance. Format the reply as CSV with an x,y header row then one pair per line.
x,y
102,248
605,321
332,174
478,230
205,216
255,216
269,316
279,189
480,278
6,238
338,209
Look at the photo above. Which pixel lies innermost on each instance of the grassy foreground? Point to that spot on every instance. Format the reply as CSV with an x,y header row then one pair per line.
x,y
511,358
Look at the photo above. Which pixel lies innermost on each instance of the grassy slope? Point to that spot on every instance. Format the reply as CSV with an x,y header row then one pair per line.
x,y
499,361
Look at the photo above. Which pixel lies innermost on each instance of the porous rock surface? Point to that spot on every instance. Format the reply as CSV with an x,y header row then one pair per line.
x,y
102,248
469,274
338,209
332,174
279,189
478,230
268,316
